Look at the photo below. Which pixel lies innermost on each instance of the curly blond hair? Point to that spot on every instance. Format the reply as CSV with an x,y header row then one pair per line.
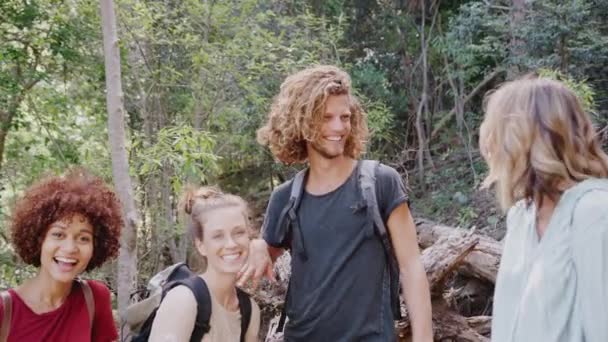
x,y
536,137
297,111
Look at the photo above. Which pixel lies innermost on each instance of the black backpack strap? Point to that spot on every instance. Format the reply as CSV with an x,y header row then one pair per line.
x,y
297,189
199,288
289,214
179,271
367,183
245,309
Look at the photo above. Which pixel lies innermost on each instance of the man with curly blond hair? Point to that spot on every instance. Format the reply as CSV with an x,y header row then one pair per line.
x,y
339,288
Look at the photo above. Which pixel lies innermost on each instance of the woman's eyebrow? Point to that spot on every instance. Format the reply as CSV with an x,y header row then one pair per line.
x,y
59,225
86,230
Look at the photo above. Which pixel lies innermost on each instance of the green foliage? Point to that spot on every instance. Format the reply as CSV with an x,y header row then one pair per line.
x,y
223,62
380,123
583,91
562,35
476,42
39,38
199,78
187,152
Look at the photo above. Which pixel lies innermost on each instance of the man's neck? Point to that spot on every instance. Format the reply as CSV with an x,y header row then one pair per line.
x,y
326,175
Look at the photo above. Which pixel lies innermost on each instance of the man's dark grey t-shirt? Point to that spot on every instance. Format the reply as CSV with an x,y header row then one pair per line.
x,y
341,291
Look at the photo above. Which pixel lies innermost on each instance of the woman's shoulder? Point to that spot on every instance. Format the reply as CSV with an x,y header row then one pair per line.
x,y
96,286
180,296
591,205
519,211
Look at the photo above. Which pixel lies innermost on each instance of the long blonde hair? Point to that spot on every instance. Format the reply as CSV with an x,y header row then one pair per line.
x,y
536,137
198,203
296,113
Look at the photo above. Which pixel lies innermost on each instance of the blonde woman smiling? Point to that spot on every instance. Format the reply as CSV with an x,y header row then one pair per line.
x,y
219,224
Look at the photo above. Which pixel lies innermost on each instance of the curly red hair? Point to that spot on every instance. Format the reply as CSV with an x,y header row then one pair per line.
x,y
57,197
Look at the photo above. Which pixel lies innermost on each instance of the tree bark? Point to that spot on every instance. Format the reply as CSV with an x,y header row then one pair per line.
x,y
481,324
127,262
516,44
167,221
481,263
7,116
6,119
423,105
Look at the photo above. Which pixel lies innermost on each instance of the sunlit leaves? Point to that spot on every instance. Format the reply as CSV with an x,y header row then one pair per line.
x,y
189,154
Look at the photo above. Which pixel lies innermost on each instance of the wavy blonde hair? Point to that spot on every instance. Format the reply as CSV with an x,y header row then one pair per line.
x,y
198,203
297,111
535,138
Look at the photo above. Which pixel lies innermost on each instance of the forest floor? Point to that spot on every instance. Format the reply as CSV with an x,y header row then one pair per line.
x,y
452,195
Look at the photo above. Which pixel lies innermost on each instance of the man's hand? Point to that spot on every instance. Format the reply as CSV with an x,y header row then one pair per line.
x,y
258,264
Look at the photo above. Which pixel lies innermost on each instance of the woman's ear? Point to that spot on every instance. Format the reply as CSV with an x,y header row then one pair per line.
x,y
200,246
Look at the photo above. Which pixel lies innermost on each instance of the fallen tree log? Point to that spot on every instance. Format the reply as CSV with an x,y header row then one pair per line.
x,y
441,260
481,263
481,324
447,326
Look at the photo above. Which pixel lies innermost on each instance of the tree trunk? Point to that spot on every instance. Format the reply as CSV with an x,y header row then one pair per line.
x,y
168,223
516,44
127,262
422,106
6,119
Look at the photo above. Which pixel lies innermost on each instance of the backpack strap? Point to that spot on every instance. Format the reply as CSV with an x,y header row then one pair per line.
x,y
245,309
89,299
200,290
297,189
292,225
367,184
7,305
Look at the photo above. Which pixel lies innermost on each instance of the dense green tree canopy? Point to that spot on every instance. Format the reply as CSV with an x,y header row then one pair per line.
x,y
199,77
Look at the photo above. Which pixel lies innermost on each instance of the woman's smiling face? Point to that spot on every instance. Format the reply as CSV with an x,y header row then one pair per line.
x,y
225,239
67,248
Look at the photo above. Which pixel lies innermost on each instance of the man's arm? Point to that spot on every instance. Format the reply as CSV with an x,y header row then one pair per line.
x,y
413,276
259,262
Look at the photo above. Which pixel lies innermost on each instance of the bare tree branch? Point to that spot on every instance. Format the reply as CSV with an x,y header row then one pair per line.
x,y
444,121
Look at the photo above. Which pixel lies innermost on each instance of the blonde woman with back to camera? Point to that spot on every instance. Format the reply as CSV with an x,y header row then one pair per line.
x,y
219,224
550,173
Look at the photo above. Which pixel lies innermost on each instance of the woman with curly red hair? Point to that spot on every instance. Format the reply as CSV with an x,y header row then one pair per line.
x,y
64,225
